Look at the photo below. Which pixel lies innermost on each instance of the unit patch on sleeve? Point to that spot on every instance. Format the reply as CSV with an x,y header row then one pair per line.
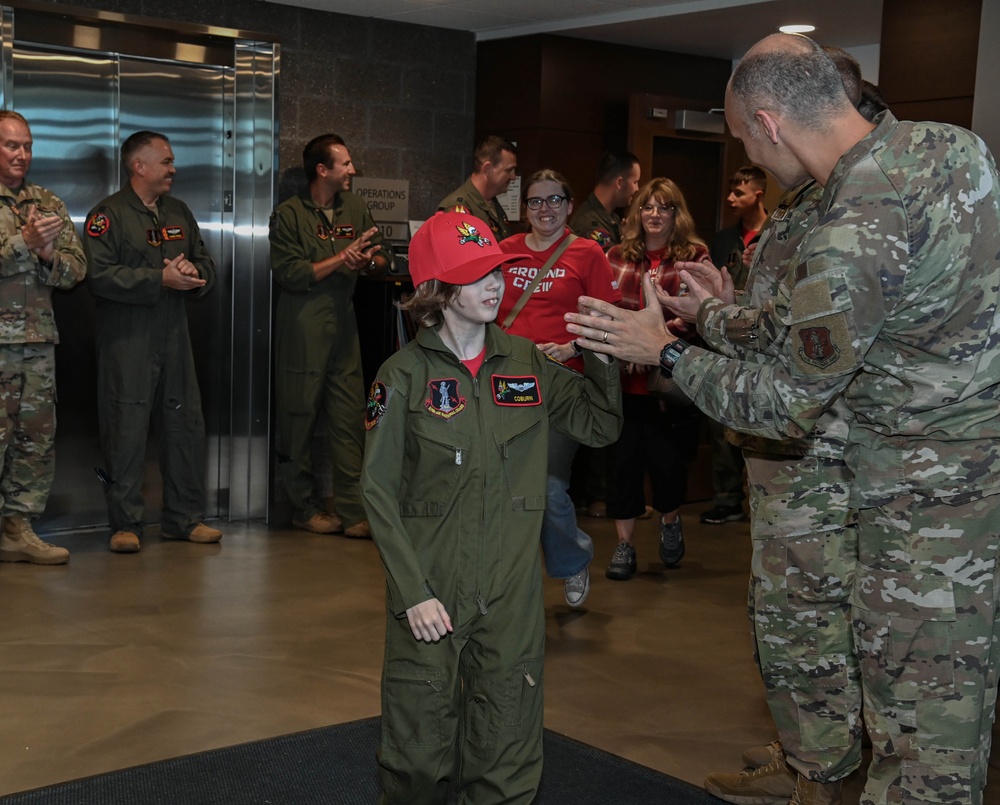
x,y
378,399
601,237
98,224
520,390
817,347
444,400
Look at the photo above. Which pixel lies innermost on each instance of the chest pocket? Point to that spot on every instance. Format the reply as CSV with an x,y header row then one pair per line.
x,y
520,441
433,467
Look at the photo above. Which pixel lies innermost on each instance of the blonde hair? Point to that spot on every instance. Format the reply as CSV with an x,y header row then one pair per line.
x,y
683,243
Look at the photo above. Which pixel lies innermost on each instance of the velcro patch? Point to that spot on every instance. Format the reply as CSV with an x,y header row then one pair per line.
x,y
173,233
516,391
817,347
444,400
153,237
98,224
344,231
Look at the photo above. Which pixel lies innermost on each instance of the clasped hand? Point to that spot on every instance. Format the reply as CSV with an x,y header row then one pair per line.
x,y
360,253
181,274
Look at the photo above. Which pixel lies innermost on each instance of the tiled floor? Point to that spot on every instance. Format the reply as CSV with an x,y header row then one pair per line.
x,y
116,660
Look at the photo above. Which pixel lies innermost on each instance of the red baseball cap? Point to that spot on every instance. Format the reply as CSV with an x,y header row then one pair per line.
x,y
456,248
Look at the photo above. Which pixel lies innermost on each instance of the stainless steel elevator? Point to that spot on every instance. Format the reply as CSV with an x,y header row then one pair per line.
x,y
85,83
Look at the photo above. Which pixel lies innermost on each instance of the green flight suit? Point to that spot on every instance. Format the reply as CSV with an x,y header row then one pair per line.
x,y
469,200
145,363
454,482
27,347
592,221
317,354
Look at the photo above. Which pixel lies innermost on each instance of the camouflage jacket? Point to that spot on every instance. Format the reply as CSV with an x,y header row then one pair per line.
x,y
25,283
892,300
751,331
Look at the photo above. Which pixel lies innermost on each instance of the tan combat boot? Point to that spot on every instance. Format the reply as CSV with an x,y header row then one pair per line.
x,y
809,792
771,784
756,756
19,543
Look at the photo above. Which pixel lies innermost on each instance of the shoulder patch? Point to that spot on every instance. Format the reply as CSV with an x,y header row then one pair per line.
x,y
98,224
378,399
520,390
444,400
818,348
601,236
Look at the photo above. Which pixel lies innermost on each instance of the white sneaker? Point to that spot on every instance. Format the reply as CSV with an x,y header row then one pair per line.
x,y
578,588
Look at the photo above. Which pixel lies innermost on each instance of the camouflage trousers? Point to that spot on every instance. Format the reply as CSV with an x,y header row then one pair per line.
x,y
925,615
27,426
802,571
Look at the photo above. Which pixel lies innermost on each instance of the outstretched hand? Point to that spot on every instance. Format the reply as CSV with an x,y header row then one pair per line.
x,y
635,336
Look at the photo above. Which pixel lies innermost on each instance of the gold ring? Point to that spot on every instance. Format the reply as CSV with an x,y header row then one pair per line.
x,y
605,339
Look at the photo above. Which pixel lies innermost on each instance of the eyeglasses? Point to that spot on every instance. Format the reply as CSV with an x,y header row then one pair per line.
x,y
649,209
552,202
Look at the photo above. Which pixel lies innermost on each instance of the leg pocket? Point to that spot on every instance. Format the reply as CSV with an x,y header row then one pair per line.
x,y
412,705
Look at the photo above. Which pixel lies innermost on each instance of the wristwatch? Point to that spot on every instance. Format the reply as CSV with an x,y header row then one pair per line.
x,y
669,356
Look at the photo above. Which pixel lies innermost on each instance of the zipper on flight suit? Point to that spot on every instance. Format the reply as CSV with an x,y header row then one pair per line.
x,y
528,677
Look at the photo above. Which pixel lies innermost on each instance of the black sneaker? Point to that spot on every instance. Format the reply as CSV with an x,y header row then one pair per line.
x,y
623,563
723,514
671,542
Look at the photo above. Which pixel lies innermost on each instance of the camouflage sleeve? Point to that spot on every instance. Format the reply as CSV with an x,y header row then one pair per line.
x,y
69,264
846,278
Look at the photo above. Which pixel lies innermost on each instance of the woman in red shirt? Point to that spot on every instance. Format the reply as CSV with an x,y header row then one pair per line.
x,y
658,438
580,270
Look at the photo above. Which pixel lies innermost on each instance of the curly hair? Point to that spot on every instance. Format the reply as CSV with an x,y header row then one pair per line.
x,y
683,243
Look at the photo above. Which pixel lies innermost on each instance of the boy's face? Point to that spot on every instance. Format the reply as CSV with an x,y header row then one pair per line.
x,y
478,302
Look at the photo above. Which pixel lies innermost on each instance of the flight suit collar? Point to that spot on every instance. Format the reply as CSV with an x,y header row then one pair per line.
x,y
498,343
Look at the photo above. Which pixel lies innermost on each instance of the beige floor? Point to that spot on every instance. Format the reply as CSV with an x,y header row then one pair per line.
x,y
117,660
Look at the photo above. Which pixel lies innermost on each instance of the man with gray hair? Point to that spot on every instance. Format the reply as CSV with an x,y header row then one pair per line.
x,y
893,301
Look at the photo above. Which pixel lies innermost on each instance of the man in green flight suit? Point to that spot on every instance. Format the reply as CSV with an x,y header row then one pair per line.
x,y
39,251
320,241
146,258
617,182
494,167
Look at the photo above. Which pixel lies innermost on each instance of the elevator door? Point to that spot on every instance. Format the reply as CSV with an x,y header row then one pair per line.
x,y
81,106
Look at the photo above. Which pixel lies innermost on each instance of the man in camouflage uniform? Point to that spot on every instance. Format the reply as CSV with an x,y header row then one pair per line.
x,y
617,182
804,549
494,167
892,302
40,252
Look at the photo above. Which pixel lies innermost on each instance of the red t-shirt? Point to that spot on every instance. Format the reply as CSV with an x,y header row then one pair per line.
x,y
581,270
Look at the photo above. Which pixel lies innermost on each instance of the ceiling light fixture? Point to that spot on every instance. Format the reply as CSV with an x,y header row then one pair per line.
x,y
797,29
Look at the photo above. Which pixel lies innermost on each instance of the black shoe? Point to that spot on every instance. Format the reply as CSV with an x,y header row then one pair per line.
x,y
671,542
723,514
623,563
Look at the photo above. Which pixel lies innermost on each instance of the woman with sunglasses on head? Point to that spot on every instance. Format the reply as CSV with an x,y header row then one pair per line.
x,y
658,437
539,292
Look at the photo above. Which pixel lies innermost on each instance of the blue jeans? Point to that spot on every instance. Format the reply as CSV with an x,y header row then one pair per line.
x,y
566,548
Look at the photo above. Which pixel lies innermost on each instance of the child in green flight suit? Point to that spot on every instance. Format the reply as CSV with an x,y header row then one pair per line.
x,y
454,486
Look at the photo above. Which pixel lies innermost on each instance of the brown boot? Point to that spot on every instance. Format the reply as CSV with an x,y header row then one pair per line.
x,y
320,523
20,543
200,533
756,756
124,542
771,784
359,531
809,792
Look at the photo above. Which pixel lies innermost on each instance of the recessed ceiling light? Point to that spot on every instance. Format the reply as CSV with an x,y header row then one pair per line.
x,y
797,29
